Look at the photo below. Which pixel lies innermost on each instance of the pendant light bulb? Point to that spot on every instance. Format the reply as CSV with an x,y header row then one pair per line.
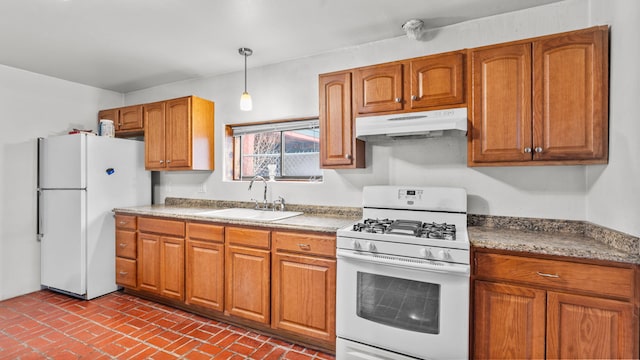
x,y
245,100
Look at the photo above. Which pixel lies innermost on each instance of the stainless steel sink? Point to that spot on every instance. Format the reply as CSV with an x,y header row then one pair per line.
x,y
249,214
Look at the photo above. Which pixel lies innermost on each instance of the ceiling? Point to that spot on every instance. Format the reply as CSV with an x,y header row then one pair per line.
x,y
127,45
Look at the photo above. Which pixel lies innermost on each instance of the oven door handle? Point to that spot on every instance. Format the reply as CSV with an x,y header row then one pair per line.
x,y
453,269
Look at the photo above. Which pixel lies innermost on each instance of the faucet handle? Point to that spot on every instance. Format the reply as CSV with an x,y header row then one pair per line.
x,y
256,203
278,203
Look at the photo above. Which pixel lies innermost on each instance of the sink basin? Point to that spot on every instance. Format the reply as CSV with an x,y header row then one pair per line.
x,y
249,214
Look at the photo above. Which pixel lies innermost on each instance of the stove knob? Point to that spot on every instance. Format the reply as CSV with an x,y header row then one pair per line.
x,y
426,253
371,246
444,254
355,244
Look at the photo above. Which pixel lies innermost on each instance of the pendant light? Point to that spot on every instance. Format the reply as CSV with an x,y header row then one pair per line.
x,y
245,99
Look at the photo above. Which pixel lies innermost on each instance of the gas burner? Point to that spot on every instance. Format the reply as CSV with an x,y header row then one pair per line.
x,y
438,231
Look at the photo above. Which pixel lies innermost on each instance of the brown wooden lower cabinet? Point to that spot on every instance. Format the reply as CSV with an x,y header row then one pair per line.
x,y
510,321
247,277
279,282
304,292
586,327
303,277
247,274
205,266
161,257
527,307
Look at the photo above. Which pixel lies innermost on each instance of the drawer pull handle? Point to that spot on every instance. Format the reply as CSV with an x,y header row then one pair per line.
x,y
123,245
547,275
123,222
124,273
304,246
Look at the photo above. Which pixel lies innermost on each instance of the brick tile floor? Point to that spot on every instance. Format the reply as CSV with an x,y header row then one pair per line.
x,y
48,325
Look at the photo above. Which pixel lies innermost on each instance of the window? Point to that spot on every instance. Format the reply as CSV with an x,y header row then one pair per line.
x,y
291,146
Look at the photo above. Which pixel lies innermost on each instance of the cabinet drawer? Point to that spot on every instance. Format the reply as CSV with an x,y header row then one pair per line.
x,y
125,222
126,272
323,245
563,275
205,232
161,226
126,244
248,237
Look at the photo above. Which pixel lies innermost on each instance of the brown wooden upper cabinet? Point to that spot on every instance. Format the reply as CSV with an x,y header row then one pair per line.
x,y
338,145
127,121
179,134
541,101
410,85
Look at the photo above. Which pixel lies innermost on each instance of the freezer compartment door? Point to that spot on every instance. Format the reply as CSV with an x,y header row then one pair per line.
x,y
62,162
64,239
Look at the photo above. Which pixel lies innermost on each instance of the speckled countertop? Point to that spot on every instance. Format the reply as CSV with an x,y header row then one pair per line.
x,y
315,218
553,237
541,236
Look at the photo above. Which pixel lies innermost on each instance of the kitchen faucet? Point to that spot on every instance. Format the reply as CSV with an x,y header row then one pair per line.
x,y
264,203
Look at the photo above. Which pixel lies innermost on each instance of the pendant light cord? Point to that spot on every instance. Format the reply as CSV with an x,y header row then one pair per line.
x,y
245,72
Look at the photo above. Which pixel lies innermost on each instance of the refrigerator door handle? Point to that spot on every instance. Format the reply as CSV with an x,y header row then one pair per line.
x,y
39,233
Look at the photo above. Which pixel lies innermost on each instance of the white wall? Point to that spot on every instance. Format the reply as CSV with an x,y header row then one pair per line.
x,y
566,192
33,106
613,191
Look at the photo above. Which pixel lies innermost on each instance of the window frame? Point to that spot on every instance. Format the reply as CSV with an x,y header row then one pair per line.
x,y
235,154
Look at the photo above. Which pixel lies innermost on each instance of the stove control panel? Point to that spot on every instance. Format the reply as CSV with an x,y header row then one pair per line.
x,y
409,195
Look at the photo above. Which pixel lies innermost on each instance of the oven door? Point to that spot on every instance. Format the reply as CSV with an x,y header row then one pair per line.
x,y
407,306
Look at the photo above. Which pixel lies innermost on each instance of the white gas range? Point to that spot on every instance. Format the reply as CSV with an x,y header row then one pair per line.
x,y
403,276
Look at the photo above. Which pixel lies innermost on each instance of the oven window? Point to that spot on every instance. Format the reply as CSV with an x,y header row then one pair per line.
x,y
401,303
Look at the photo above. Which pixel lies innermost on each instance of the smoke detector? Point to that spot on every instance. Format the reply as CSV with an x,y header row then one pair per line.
x,y
413,28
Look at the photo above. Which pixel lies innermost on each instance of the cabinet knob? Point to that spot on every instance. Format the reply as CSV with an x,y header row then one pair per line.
x,y
414,97
168,161
398,99
161,161
348,156
527,150
538,149
123,245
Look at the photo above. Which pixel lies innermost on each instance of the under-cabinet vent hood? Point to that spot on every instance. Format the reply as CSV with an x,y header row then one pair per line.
x,y
413,125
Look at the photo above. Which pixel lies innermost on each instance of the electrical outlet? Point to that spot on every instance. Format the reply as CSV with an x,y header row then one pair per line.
x,y
203,188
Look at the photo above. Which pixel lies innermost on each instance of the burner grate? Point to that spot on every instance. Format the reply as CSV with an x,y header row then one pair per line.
x,y
430,230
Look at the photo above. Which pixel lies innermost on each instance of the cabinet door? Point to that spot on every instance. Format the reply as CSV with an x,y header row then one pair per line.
x,y
205,274
437,80
570,105
110,114
336,125
130,118
500,104
304,295
154,136
509,322
178,132
248,283
582,327
378,88
172,267
149,262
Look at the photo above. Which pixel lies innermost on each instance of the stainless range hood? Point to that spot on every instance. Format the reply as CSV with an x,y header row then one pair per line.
x,y
413,125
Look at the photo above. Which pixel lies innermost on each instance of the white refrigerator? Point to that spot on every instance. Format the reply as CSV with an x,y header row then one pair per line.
x,y
81,178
